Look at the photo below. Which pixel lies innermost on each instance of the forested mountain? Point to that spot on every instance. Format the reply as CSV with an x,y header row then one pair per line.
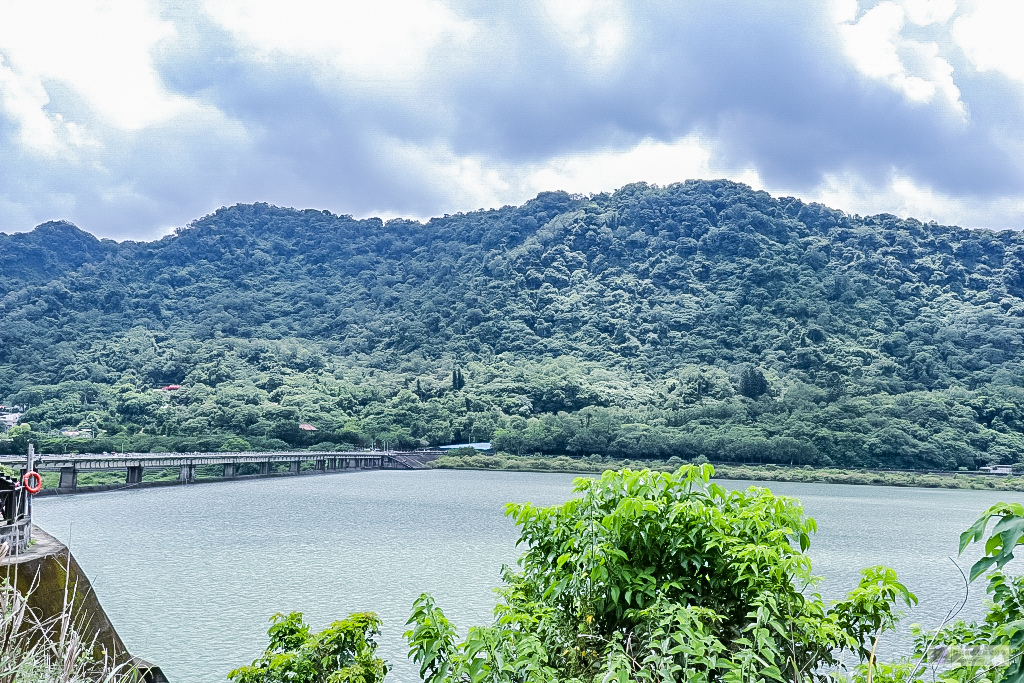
x,y
701,318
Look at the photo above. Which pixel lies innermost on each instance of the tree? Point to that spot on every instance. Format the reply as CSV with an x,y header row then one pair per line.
x,y
458,381
341,653
235,444
752,383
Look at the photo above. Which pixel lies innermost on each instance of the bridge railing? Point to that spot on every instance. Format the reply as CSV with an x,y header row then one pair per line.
x,y
134,464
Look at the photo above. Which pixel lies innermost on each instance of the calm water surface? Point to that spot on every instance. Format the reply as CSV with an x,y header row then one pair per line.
x,y
189,575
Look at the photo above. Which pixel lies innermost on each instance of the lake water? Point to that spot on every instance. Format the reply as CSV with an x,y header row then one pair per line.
x,y
190,575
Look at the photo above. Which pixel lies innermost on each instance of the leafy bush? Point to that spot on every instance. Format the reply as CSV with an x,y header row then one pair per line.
x,y
341,653
660,577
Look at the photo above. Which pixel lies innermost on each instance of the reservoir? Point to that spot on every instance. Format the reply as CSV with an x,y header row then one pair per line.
x,y
191,574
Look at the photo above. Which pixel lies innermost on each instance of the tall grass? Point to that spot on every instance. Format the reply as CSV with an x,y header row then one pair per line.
x,y
54,649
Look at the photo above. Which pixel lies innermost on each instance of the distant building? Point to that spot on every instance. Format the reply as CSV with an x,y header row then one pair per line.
x,y
480,446
306,427
8,420
171,387
997,469
79,433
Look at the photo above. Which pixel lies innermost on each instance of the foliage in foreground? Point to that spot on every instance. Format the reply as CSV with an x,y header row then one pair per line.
x,y
660,577
341,653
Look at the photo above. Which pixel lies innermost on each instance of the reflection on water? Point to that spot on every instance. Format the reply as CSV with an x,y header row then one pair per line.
x,y
190,575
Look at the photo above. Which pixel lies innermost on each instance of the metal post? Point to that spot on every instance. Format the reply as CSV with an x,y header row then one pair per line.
x,y
30,463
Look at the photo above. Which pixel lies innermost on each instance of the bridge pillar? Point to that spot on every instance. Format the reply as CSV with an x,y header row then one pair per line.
x,y
187,474
321,465
265,467
229,470
295,466
68,478
133,475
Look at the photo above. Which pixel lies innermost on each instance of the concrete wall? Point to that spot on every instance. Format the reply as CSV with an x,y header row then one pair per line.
x,y
43,571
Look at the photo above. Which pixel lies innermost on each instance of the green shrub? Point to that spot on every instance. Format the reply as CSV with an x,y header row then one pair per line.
x,y
659,577
341,653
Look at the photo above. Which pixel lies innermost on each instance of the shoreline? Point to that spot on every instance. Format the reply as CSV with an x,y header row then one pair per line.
x,y
567,465
763,473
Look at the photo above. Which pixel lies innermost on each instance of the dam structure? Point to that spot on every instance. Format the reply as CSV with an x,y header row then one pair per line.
x,y
227,465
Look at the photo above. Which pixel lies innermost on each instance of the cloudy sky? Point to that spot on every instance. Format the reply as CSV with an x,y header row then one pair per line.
x,y
130,117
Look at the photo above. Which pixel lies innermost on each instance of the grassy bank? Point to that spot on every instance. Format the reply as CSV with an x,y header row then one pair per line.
x,y
961,480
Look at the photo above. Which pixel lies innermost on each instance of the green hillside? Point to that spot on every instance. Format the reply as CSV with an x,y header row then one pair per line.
x,y
701,318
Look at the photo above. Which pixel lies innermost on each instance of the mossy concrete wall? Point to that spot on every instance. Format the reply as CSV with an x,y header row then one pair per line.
x,y
48,573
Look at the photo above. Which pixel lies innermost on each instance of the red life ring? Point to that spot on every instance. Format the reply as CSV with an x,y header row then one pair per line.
x,y
29,487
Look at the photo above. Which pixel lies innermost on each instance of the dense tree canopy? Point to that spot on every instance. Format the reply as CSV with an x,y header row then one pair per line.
x,y
698,319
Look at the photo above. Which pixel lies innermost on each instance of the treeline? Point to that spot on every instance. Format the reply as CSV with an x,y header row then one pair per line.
x,y
699,319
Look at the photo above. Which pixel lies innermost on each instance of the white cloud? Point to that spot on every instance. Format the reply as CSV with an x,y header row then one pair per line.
x,y
596,32
383,40
908,197
472,182
661,163
877,48
100,49
927,12
23,100
992,37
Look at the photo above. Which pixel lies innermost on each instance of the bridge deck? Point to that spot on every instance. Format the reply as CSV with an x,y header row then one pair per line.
x,y
133,464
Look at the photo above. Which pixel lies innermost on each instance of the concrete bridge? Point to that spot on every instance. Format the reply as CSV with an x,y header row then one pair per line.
x,y
134,464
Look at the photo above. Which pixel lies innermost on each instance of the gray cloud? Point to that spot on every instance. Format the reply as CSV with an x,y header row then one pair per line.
x,y
766,86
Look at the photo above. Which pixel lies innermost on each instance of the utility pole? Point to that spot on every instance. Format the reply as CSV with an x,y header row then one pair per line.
x,y
30,466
